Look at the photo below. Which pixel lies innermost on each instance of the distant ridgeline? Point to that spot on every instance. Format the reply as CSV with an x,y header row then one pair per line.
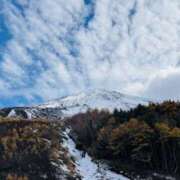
x,y
143,140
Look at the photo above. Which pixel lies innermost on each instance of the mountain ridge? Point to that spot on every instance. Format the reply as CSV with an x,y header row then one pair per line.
x,y
70,105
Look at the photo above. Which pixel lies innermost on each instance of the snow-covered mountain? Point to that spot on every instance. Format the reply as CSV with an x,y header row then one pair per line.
x,y
71,105
99,99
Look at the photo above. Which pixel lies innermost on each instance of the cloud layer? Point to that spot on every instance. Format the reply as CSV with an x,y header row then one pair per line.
x,y
60,47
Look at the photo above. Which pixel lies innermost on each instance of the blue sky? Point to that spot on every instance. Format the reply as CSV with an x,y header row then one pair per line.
x,y
5,34
49,49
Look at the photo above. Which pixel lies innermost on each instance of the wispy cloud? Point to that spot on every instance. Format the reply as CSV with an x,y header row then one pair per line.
x,y
60,47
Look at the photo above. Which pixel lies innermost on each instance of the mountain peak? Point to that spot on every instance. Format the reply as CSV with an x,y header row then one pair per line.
x,y
77,103
91,99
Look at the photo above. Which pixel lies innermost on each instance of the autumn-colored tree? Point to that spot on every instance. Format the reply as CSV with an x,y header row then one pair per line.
x,y
132,138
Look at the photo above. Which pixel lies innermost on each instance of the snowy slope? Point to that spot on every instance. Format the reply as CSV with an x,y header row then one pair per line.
x,y
71,105
88,169
100,99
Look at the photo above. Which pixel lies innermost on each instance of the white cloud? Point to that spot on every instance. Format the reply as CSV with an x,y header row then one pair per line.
x,y
125,45
165,85
11,68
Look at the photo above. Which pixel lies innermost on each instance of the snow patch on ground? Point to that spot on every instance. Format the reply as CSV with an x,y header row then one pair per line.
x,y
86,167
12,113
29,115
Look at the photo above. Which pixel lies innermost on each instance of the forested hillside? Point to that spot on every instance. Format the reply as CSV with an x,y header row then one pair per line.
x,y
33,150
142,140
